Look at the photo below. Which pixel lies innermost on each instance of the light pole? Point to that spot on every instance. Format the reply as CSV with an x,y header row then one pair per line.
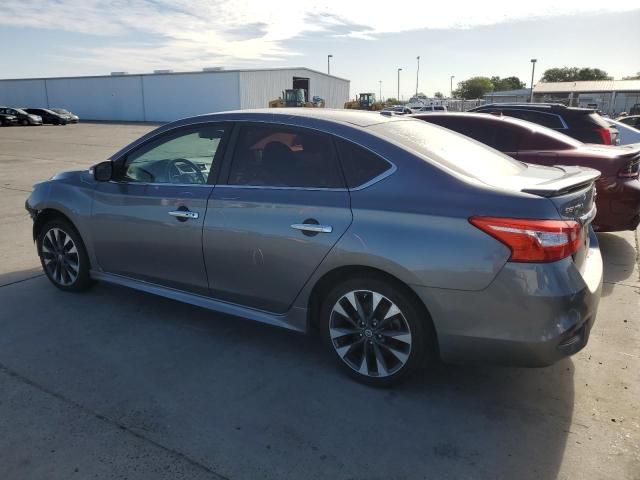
x,y
398,98
329,57
417,74
380,82
533,69
451,85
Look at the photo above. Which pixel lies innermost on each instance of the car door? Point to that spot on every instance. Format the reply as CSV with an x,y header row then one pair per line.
x,y
283,208
147,222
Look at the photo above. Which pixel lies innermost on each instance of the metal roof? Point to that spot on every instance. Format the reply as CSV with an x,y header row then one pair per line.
x,y
208,71
590,86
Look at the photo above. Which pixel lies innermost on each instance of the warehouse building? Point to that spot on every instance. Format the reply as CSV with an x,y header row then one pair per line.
x,y
610,96
165,95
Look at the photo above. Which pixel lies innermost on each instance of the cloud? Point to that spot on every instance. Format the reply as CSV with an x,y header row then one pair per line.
x,y
188,34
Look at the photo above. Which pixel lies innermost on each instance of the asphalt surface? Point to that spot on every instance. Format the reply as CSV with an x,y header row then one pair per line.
x,y
114,383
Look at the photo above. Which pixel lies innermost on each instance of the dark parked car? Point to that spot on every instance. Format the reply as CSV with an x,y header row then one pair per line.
x,y
631,120
7,120
398,241
71,118
618,199
48,116
580,123
23,118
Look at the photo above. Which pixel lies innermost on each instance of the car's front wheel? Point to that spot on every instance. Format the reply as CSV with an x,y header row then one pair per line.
x,y
63,256
376,330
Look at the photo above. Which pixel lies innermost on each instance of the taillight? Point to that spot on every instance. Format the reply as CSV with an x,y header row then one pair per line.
x,y
631,170
605,134
533,240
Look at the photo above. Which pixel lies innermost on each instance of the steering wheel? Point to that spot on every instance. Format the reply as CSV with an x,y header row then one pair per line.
x,y
176,172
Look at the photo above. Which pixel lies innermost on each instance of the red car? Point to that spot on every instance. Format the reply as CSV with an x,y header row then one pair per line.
x,y
618,188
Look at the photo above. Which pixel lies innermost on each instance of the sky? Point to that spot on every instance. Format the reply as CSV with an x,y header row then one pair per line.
x,y
369,40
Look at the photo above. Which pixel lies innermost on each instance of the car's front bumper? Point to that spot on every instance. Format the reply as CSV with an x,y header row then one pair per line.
x,y
531,314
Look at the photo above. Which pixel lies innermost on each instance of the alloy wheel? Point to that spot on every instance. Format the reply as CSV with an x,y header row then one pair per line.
x,y
370,333
60,257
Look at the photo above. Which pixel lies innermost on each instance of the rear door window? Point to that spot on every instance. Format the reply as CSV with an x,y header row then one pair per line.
x,y
281,156
359,164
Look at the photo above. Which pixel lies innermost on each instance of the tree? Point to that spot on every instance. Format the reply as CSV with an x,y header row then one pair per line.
x,y
475,87
633,77
507,83
438,95
391,101
574,74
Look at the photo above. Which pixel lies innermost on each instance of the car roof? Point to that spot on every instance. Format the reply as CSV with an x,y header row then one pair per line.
x,y
536,106
359,118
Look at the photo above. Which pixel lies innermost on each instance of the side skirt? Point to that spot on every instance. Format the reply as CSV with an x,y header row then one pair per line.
x,y
295,319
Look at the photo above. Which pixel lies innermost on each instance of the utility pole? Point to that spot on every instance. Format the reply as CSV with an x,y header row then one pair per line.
x,y
329,57
533,69
398,98
417,74
451,85
380,98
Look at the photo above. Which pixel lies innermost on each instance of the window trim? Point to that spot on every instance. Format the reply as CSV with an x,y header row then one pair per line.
x,y
230,145
214,174
389,171
233,142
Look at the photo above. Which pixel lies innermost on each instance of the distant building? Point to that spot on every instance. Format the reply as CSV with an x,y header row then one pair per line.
x,y
166,95
505,96
610,96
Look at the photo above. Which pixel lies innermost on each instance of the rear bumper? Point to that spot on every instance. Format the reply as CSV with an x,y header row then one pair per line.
x,y
531,315
618,205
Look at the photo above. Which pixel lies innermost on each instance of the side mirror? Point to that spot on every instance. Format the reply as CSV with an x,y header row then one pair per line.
x,y
103,171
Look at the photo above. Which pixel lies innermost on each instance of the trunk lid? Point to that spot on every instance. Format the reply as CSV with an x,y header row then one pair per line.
x,y
572,192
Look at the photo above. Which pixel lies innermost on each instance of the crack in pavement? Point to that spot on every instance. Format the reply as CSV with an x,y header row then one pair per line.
x,y
22,280
6,370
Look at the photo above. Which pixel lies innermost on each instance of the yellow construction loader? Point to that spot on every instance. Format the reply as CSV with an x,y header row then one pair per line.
x,y
294,97
364,101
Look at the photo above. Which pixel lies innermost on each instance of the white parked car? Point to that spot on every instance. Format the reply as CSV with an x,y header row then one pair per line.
x,y
627,134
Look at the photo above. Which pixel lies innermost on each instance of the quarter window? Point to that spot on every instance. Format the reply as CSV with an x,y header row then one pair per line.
x,y
284,157
360,166
183,157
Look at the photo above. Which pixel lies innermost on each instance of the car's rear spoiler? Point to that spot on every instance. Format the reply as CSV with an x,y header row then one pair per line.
x,y
575,178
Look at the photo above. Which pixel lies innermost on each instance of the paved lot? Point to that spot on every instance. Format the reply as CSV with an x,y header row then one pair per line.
x,y
115,383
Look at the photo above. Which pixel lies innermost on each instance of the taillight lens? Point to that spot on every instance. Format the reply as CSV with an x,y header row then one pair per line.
x,y
533,240
631,170
605,134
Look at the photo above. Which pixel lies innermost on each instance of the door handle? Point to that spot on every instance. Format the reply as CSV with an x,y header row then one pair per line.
x,y
186,214
310,227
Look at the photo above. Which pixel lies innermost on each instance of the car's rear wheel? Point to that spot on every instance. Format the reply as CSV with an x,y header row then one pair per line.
x,y
375,329
63,256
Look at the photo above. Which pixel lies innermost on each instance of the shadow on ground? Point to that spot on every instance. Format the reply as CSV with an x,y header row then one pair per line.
x,y
251,401
620,259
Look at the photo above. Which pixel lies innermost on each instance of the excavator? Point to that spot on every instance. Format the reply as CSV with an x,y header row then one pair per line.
x,y
294,97
364,101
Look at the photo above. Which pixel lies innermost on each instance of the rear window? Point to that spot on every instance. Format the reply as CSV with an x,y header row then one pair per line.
x,y
598,120
450,149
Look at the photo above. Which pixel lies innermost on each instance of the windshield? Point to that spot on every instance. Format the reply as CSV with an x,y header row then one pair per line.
x,y
60,110
450,149
19,110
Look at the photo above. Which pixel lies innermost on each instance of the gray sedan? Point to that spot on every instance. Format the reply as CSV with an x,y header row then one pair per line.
x,y
400,242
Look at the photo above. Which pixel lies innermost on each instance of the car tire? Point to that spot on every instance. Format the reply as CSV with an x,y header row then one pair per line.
x,y
63,256
382,347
